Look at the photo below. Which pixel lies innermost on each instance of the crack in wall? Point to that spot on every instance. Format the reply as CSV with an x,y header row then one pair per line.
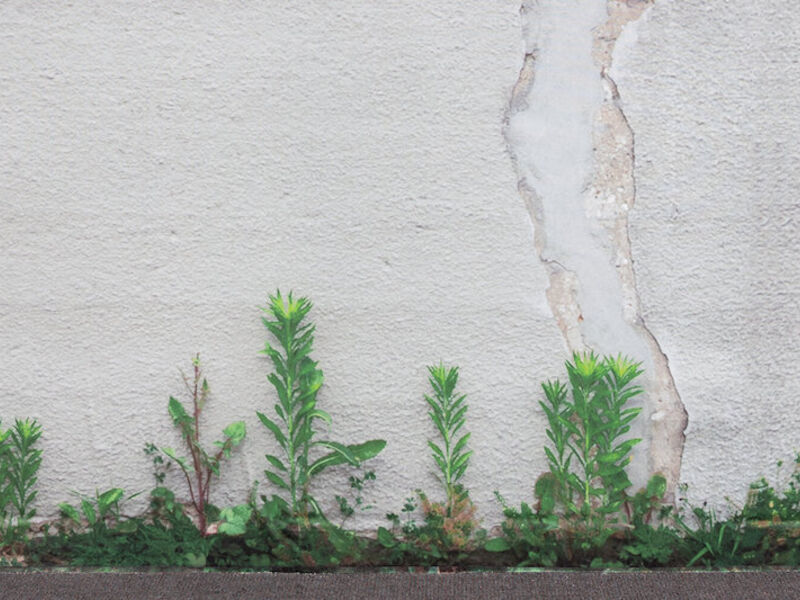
x,y
580,213
562,293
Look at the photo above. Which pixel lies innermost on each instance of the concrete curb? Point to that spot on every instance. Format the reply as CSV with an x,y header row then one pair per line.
x,y
568,585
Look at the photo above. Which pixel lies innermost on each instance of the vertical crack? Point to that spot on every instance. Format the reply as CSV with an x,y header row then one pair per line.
x,y
615,159
573,152
562,293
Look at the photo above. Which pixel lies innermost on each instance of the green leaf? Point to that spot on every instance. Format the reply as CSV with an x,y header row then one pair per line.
x,y
185,466
301,436
439,425
461,443
320,414
276,462
442,463
234,519
497,545
436,450
569,426
367,450
276,431
340,448
609,458
386,539
70,512
626,446
462,460
235,432
277,360
274,478
127,526
545,491
88,511
434,406
280,387
551,457
459,416
177,412
107,499
192,559
657,486
361,452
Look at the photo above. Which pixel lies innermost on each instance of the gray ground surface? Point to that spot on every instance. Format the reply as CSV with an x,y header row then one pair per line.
x,y
340,586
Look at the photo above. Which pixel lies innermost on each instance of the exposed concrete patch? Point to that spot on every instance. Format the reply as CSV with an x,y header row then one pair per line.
x,y
614,190
562,294
573,151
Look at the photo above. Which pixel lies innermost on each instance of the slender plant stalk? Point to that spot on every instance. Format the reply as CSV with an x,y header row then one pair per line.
x,y
448,412
297,380
204,466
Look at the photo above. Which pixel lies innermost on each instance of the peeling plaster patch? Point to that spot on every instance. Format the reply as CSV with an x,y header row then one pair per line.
x,y
573,151
614,194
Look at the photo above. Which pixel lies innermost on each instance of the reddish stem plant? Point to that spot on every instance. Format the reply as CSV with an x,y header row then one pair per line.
x,y
203,466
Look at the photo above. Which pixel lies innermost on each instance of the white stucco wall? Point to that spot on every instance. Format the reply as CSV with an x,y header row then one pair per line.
x,y
164,168
710,90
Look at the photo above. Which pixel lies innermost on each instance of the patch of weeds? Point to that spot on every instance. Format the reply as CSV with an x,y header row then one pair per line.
x,y
651,542
276,539
580,498
450,529
350,506
202,466
528,535
289,529
587,461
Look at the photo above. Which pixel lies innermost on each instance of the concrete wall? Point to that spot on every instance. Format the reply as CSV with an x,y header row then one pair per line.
x,y
484,183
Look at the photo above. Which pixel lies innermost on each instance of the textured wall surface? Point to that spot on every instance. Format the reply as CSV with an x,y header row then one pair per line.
x,y
453,181
710,90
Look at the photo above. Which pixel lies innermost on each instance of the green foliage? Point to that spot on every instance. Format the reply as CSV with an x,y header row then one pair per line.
x,y
449,527
588,457
410,543
95,533
765,503
200,467
99,513
448,412
648,544
348,507
716,543
297,381
275,538
438,540
529,535
19,465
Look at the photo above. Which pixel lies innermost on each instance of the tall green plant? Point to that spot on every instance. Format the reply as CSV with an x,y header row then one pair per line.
x,y
201,466
450,527
297,380
588,456
448,411
19,465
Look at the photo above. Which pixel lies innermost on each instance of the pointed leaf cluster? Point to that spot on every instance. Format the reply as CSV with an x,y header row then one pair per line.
x,y
297,380
448,412
19,465
586,428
